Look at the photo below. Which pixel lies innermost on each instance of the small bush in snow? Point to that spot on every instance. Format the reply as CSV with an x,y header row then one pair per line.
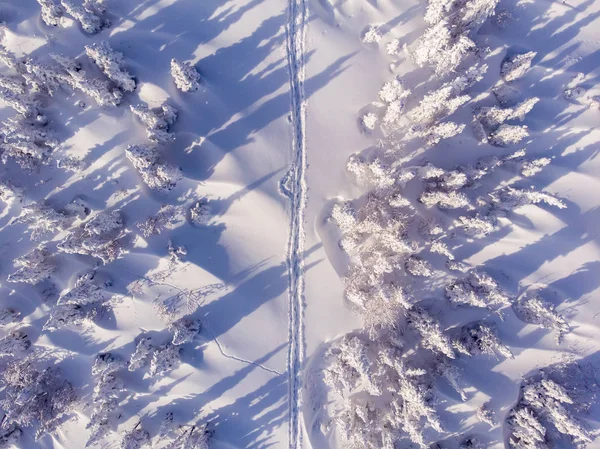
x,y
155,174
372,35
110,62
157,121
515,67
194,437
442,249
34,267
369,121
200,213
432,335
185,76
444,200
478,225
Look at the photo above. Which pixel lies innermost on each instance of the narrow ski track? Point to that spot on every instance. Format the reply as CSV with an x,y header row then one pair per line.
x,y
296,190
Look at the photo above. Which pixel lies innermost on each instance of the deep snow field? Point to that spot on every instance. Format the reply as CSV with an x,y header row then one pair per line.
x,y
337,243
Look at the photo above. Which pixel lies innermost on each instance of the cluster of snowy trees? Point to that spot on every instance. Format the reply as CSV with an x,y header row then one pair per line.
x,y
399,237
548,408
35,396
90,14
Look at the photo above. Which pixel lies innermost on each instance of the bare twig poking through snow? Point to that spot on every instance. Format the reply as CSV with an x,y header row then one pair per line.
x,y
155,174
111,62
515,67
185,76
157,121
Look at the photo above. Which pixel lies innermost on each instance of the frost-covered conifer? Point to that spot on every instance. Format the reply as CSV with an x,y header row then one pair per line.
x,y
418,267
508,199
185,76
99,237
14,343
86,290
444,200
51,11
157,121
482,339
9,315
486,415
100,90
111,62
10,435
34,267
515,67
432,335
135,438
37,399
43,221
142,353
478,290
164,359
155,174
184,330
166,218
507,135
64,315
534,310
86,15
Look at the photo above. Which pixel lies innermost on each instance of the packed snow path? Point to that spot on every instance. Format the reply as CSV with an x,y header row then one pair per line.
x,y
296,189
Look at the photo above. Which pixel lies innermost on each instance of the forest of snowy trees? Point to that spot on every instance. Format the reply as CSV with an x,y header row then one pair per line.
x,y
382,379
36,395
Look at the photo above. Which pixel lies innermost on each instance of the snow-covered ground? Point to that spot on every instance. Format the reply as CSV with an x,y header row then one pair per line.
x,y
252,281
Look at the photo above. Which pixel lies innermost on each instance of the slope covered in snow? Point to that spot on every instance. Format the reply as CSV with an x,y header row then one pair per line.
x,y
303,224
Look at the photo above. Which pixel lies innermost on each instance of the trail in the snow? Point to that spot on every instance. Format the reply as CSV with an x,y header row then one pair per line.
x,y
295,188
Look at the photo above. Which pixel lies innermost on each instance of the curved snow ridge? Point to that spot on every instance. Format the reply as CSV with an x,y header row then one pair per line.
x,y
296,190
